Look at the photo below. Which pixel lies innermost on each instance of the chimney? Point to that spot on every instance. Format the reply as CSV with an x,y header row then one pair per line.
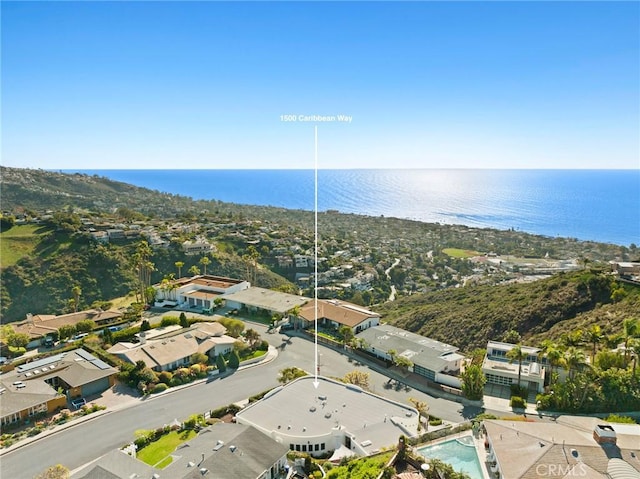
x,y
604,434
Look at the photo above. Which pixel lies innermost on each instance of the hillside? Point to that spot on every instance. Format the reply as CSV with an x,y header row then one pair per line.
x,y
42,281
42,262
468,317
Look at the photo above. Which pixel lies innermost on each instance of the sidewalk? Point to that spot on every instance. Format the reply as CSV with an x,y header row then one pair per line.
x,y
417,382
122,396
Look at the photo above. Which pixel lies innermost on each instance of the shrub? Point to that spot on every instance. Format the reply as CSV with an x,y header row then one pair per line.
x,y
169,321
175,381
158,388
234,360
518,402
263,346
620,419
165,377
435,422
196,369
221,363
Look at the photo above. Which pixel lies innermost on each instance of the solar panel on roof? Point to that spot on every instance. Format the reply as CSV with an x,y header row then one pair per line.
x,y
85,355
100,364
39,363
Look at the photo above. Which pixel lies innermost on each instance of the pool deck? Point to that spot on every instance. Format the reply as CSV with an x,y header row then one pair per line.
x,y
479,445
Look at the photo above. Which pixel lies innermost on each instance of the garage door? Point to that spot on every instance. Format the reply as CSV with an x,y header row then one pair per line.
x,y
96,387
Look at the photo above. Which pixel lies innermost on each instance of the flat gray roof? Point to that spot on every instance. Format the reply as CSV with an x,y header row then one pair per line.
x,y
421,350
298,411
267,299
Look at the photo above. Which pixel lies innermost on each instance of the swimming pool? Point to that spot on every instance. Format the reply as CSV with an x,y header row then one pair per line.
x,y
460,453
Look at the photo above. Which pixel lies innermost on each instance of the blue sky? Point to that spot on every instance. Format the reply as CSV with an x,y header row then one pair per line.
x,y
428,84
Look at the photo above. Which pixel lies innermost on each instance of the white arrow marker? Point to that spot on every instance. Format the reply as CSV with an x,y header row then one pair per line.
x,y
315,262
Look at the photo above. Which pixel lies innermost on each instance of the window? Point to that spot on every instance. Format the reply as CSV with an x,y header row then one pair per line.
x,y
304,448
291,447
316,447
322,446
297,447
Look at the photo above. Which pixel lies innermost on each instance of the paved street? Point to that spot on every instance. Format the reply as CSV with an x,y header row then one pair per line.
x,y
86,441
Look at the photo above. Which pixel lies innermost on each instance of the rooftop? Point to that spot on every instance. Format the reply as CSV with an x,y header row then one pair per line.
x,y
267,299
419,349
524,450
313,412
341,312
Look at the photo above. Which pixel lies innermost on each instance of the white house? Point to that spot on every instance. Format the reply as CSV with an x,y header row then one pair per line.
x,y
498,369
196,292
436,361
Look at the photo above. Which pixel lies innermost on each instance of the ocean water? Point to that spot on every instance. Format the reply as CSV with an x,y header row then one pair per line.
x,y
597,205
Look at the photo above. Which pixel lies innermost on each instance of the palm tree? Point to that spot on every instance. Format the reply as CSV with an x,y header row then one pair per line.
x,y
194,270
594,336
630,329
392,354
423,411
553,353
517,354
347,335
575,358
204,261
179,265
76,291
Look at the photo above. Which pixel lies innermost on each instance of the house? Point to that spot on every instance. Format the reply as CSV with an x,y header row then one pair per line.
x,y
39,325
333,314
223,451
166,349
498,370
334,418
264,300
35,387
199,246
199,291
571,446
432,359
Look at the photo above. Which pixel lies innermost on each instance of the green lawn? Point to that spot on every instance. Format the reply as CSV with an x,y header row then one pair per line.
x,y
460,253
18,242
158,451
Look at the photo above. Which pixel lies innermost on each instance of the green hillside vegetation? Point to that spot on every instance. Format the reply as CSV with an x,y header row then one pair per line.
x,y
43,281
19,242
546,309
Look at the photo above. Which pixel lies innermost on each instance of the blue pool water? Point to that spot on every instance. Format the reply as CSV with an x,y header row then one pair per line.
x,y
460,453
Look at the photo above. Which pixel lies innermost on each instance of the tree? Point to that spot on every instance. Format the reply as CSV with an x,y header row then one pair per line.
x,y
234,359
252,337
517,354
76,291
512,337
54,472
473,381
392,354
66,331
221,363
143,267
184,322
359,378
403,362
594,336
289,374
234,326
145,326
347,335
194,270
85,326
574,359
179,265
107,336
630,329
199,358
423,411
204,261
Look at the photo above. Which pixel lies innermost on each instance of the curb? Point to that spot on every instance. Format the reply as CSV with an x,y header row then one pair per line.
x,y
271,354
